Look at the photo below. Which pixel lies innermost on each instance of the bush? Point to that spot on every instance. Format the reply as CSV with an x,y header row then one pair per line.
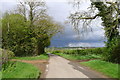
x,y
113,54
5,55
84,51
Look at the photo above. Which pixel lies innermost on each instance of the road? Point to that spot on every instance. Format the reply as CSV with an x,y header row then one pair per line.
x,y
59,67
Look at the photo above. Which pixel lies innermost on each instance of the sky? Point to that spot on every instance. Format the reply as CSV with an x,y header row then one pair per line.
x,y
60,11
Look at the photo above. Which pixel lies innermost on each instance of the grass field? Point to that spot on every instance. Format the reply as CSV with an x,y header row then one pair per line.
x,y
41,57
20,70
107,68
79,57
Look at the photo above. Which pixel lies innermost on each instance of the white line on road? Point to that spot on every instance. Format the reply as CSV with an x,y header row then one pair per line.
x,y
81,68
46,68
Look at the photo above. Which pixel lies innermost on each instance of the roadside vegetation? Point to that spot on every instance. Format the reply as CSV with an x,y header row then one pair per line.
x,y
79,57
27,31
108,12
82,54
28,35
97,59
41,57
19,70
106,68
13,69
0,74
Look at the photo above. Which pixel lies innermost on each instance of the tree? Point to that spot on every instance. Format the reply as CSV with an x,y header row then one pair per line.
x,y
16,35
29,30
44,30
109,13
22,40
32,10
42,25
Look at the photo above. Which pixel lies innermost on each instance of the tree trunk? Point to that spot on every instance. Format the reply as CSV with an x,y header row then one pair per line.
x,y
41,49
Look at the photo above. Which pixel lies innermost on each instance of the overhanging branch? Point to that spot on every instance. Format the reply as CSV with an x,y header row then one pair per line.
x,y
88,17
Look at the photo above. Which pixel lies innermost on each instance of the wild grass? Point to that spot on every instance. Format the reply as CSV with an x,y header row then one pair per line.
x,y
41,57
79,57
107,68
0,75
20,70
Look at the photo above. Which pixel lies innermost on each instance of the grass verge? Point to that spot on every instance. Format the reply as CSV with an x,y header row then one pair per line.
x,y
79,57
107,68
0,75
20,70
41,57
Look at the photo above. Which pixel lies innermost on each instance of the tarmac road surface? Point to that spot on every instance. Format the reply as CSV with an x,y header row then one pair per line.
x,y
59,67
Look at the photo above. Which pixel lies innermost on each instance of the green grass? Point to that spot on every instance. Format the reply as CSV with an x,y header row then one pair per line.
x,y
107,68
41,57
20,70
78,57
0,75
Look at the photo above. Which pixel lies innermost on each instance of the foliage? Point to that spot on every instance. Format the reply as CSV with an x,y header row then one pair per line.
x,y
41,25
79,57
21,39
17,35
83,51
109,13
41,57
113,54
104,67
110,23
5,55
83,54
0,75
109,16
16,68
29,29
45,29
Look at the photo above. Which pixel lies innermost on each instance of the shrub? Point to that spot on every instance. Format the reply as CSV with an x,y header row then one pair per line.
x,y
82,51
5,55
113,54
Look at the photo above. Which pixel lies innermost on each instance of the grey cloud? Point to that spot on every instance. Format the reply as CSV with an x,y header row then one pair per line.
x,y
60,11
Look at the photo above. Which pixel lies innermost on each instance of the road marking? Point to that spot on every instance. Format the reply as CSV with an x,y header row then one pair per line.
x,y
81,68
46,68
76,70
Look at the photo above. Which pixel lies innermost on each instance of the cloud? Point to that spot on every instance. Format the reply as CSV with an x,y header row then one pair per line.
x,y
81,44
8,0
70,38
60,11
